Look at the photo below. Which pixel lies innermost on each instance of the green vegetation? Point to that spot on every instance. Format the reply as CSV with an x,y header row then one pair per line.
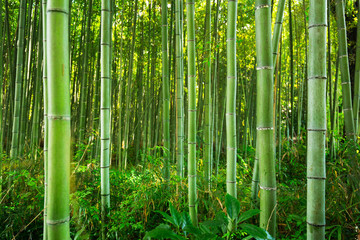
x,y
194,119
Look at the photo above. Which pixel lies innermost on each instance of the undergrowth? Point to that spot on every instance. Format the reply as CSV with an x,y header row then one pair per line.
x,y
140,194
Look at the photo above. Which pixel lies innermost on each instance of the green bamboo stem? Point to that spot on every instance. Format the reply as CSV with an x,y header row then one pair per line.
x,y
18,82
277,29
128,90
45,96
84,80
345,72
166,91
208,100
316,121
37,93
59,137
356,99
190,9
179,92
231,153
264,116
105,107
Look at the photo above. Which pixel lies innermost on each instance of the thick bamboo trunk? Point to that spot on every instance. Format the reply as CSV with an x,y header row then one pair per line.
x,y
190,8
264,116
58,120
105,107
316,121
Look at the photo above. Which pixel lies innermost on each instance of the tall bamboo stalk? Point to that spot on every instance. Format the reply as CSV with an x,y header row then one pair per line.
x,y
45,97
231,99
264,116
356,100
105,105
345,72
179,90
316,122
208,99
277,29
18,82
190,9
58,120
166,91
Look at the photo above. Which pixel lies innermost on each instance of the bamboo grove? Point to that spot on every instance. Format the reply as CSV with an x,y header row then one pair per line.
x,y
221,97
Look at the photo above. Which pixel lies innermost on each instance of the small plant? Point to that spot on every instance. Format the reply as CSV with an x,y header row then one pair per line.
x,y
220,227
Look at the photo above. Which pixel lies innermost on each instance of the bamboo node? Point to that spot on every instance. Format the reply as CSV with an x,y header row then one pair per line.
x,y
343,83
58,10
59,117
104,195
56,222
268,188
192,110
230,181
191,142
342,56
347,109
264,68
264,128
231,148
317,178
317,129
191,175
104,166
317,25
317,78
316,225
261,6
278,22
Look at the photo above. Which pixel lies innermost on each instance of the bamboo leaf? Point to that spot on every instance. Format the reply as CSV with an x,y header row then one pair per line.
x,y
248,214
232,206
176,216
255,231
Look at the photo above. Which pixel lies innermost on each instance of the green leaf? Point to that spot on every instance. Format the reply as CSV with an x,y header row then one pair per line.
x,y
79,233
186,220
191,229
167,217
248,214
162,231
176,216
232,206
206,236
254,231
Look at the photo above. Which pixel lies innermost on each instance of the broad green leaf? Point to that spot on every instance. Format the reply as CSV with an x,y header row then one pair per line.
x,y
232,206
167,217
254,231
248,214
176,216
186,220
162,231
